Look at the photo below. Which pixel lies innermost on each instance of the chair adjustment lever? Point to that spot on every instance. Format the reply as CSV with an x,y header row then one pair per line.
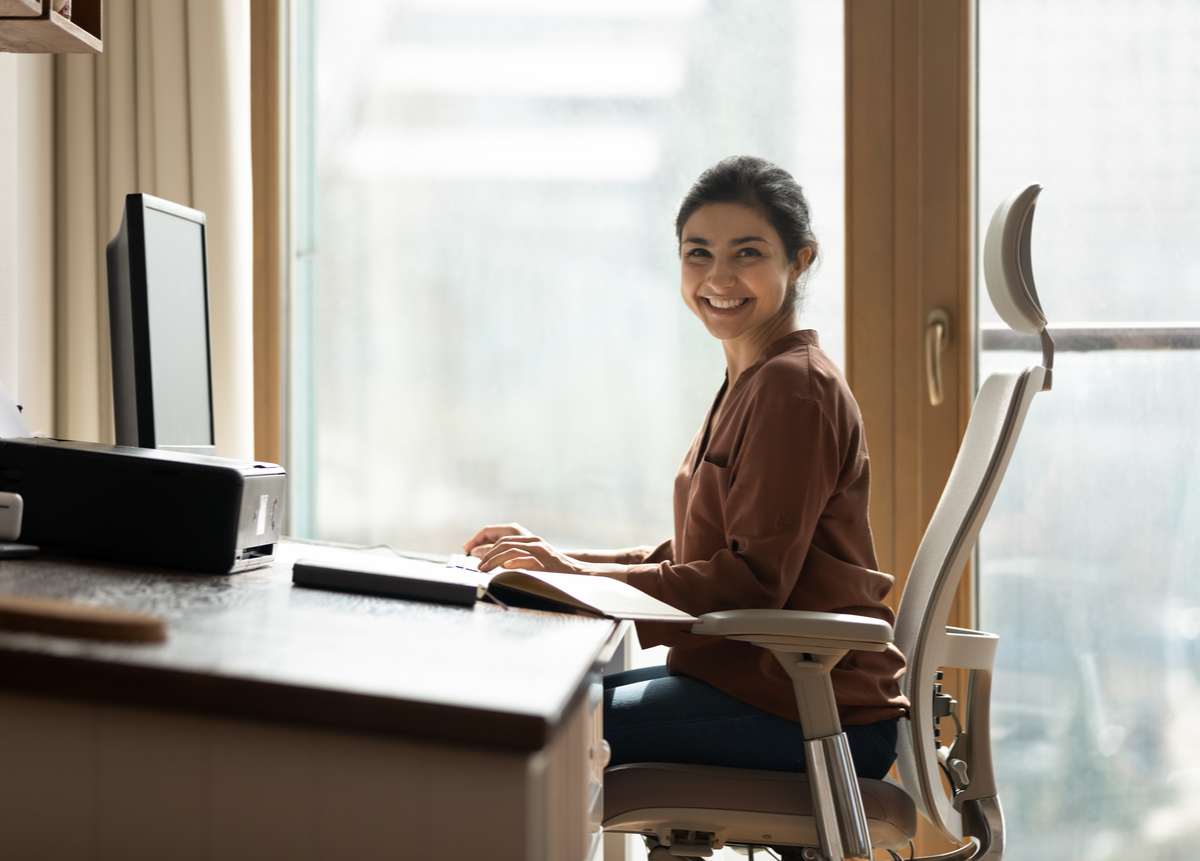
x,y
944,705
960,771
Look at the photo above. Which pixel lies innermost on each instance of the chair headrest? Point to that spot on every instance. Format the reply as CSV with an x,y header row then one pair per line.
x,y
1006,263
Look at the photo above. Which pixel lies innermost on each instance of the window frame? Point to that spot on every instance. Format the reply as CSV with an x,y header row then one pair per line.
x,y
910,249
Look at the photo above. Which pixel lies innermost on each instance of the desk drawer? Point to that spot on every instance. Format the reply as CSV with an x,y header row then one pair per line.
x,y
89,781
566,801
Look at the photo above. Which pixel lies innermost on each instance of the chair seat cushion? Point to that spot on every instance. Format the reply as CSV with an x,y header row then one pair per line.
x,y
656,785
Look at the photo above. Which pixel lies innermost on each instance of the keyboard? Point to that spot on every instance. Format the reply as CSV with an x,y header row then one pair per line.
x,y
464,562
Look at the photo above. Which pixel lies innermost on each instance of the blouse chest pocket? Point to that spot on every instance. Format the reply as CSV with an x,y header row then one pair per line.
x,y
704,527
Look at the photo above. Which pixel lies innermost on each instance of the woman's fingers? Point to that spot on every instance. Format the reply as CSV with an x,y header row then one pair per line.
x,y
482,551
527,563
521,550
489,535
508,557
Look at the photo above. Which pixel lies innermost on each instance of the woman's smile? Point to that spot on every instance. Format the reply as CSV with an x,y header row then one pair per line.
x,y
726,307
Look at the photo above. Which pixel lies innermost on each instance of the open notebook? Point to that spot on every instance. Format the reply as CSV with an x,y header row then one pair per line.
x,y
456,583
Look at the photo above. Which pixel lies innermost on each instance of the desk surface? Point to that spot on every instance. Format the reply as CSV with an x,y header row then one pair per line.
x,y
252,645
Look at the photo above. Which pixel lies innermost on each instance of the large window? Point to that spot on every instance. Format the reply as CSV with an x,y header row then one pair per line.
x,y
492,329
1089,561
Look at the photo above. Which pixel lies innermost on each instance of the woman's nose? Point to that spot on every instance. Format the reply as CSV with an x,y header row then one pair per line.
x,y
721,276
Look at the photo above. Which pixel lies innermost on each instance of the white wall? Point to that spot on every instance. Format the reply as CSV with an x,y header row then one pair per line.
x,y
26,235
8,222
35,240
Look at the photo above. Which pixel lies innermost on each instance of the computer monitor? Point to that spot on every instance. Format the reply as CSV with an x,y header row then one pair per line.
x,y
158,316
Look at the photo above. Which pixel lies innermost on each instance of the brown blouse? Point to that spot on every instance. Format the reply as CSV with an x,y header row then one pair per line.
x,y
771,511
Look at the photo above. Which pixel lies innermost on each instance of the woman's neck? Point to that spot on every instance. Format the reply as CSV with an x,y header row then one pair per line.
x,y
741,353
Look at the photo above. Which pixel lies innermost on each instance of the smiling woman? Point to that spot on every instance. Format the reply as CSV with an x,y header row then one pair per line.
x,y
745,237
770,508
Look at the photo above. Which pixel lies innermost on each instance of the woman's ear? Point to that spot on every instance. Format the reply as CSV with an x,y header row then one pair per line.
x,y
800,263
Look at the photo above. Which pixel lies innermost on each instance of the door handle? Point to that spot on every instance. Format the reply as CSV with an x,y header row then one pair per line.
x,y
937,339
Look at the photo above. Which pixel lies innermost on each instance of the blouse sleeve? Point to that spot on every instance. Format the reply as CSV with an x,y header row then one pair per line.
x,y
754,517
647,554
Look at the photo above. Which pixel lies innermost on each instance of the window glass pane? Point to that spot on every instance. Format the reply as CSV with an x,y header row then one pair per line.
x,y
498,329
1089,576
1100,103
1087,563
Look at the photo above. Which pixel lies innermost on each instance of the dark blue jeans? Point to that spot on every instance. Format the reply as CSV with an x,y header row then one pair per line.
x,y
650,716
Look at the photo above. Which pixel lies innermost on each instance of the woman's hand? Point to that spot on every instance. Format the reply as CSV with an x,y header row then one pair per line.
x,y
513,546
531,552
481,544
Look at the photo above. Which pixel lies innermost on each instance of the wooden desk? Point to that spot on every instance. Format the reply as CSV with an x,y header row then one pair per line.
x,y
283,722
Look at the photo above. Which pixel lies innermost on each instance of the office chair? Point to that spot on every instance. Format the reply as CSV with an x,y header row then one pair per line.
x,y
828,813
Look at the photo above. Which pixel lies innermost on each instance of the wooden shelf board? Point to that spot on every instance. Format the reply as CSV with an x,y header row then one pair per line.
x,y
50,34
20,8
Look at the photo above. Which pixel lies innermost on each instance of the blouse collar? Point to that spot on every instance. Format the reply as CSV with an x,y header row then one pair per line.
x,y
790,341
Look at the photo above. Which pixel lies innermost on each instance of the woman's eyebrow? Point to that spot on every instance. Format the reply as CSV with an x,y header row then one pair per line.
x,y
741,240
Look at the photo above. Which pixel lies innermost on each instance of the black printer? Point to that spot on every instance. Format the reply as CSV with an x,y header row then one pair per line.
x,y
162,497
146,506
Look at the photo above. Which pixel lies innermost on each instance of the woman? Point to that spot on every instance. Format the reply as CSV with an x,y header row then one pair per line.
x,y
770,508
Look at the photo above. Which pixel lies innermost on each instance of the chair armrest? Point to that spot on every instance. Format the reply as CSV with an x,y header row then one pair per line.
x,y
798,630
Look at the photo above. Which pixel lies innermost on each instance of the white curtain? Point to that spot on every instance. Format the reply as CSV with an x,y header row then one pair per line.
x,y
165,110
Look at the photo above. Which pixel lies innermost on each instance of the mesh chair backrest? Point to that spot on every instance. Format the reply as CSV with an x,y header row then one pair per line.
x,y
996,421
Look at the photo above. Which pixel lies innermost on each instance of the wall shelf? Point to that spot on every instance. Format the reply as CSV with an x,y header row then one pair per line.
x,y
32,27
20,8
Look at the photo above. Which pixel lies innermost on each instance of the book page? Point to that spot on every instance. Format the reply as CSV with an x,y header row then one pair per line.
x,y
602,595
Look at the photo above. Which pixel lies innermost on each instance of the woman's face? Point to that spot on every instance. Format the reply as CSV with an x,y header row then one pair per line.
x,y
734,270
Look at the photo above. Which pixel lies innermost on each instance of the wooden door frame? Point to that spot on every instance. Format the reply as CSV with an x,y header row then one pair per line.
x,y
910,196
267,140
910,249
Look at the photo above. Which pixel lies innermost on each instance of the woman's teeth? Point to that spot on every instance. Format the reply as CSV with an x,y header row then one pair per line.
x,y
726,303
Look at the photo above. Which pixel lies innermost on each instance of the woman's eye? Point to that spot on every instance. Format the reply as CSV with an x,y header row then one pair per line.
x,y
749,252
698,252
